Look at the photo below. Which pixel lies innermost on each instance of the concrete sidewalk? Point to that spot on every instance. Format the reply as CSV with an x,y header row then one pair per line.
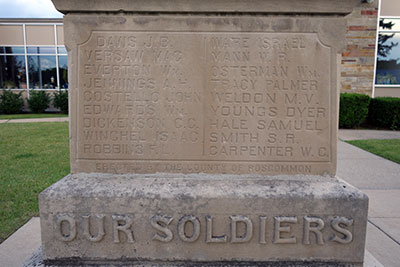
x,y
377,177
21,245
347,134
380,180
55,119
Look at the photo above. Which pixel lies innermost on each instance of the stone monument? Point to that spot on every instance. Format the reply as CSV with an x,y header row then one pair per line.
x,y
203,133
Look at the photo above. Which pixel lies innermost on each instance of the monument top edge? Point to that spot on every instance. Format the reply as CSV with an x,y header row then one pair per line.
x,y
337,7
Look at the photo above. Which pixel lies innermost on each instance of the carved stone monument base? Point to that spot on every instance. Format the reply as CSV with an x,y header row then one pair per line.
x,y
202,219
37,261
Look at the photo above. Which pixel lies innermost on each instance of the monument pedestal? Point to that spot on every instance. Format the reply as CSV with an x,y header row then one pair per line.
x,y
202,219
204,133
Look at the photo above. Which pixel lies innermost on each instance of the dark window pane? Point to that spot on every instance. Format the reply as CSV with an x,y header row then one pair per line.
x,y
389,24
41,50
33,72
387,72
42,72
62,50
63,71
388,59
47,50
12,50
32,50
12,72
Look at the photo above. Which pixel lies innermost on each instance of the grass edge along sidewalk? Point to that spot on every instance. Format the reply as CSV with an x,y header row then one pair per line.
x,y
33,156
30,116
386,148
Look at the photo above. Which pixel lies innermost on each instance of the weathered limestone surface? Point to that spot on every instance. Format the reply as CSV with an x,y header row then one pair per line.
x,y
196,217
37,261
209,6
202,133
203,94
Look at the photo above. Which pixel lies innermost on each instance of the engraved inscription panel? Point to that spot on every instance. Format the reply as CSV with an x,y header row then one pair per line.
x,y
140,97
194,98
164,229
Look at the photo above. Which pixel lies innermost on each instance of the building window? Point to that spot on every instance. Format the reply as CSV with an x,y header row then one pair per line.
x,y
41,67
41,50
12,68
62,67
388,54
12,50
63,71
38,63
42,72
61,50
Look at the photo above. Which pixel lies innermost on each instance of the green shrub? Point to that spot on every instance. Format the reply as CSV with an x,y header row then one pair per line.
x,y
384,112
38,101
11,103
353,109
60,100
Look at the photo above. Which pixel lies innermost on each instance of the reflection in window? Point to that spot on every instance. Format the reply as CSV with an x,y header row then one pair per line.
x,y
389,24
41,50
388,65
388,55
12,72
42,72
63,71
12,50
62,50
41,67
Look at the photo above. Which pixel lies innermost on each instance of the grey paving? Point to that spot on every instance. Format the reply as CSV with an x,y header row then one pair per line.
x,y
377,177
384,203
388,225
380,180
371,261
383,248
18,247
366,170
56,119
345,134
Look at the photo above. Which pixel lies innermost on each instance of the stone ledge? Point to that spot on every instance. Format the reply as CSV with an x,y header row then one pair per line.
x,y
204,218
36,260
130,185
208,6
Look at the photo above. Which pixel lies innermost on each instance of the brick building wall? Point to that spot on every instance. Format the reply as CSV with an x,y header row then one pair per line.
x,y
358,57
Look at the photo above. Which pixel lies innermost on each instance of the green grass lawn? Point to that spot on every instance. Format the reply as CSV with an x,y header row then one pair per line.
x,y
388,149
35,155
32,157
30,116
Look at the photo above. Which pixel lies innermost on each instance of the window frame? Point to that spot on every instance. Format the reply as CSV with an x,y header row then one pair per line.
x,y
378,31
56,47
16,55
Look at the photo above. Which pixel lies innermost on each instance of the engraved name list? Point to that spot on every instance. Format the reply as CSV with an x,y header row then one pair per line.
x,y
204,102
